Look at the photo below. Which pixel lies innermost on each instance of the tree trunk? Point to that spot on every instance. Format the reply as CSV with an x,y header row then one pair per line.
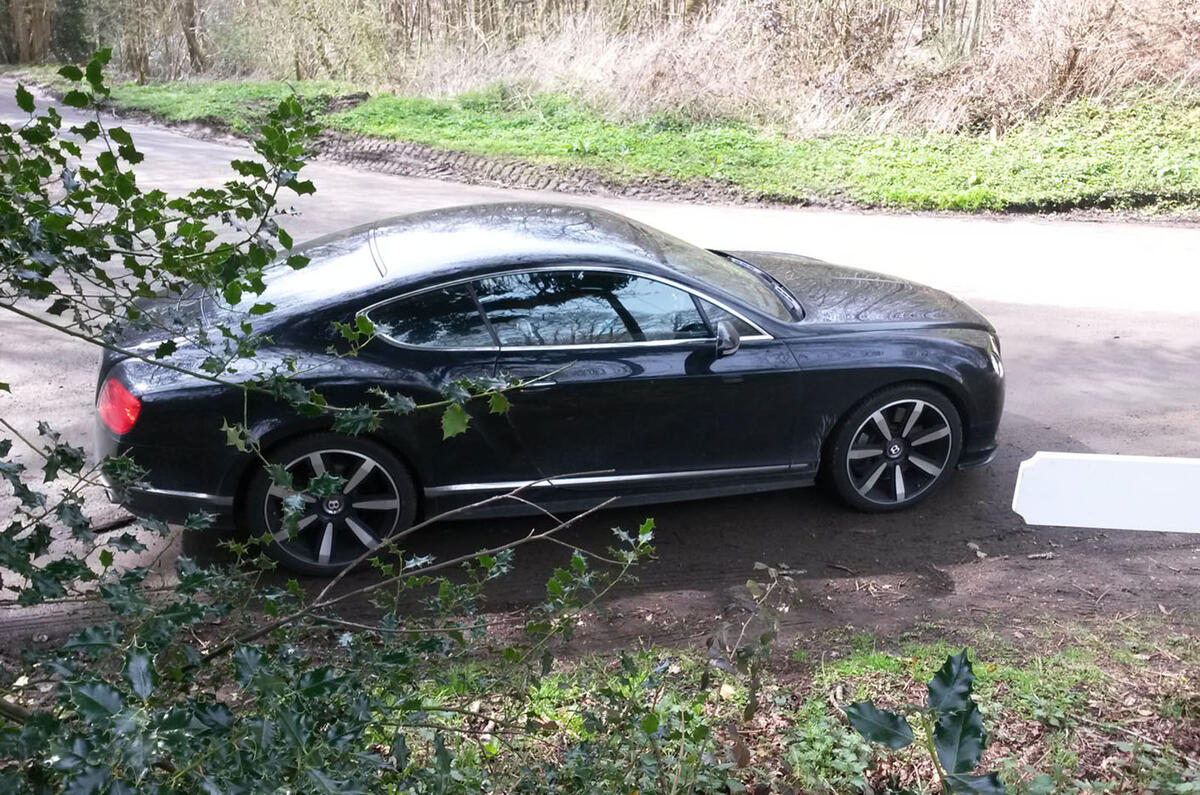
x,y
190,21
31,28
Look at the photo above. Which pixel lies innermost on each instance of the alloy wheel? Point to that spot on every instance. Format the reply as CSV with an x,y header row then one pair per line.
x,y
334,530
899,451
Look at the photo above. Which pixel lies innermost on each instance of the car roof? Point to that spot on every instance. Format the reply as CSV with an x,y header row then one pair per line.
x,y
456,242
461,239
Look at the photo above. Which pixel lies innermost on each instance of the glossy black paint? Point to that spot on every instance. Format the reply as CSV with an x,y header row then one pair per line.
x,y
677,419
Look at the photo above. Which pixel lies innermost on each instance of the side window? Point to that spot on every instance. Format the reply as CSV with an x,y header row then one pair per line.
x,y
580,307
716,314
443,318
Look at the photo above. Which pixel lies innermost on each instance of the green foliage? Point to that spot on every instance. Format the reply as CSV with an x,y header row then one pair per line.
x,y
825,756
950,721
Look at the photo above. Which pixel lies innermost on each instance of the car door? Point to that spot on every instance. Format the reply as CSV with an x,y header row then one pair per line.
x,y
633,388
425,341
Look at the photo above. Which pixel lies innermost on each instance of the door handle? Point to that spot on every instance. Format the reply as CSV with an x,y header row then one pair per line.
x,y
538,385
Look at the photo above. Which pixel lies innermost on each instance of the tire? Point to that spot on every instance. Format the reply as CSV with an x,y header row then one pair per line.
x,y
923,441
378,499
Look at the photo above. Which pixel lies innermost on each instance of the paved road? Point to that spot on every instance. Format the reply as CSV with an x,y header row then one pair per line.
x,y
1100,323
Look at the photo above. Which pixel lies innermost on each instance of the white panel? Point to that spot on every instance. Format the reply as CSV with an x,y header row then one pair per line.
x,y
1114,492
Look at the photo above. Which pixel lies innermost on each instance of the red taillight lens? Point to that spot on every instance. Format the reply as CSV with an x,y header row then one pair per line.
x,y
117,406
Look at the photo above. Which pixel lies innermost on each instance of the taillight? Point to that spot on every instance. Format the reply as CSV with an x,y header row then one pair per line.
x,y
117,406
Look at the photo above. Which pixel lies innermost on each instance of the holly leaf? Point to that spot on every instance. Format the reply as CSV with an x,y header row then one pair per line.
x,y
499,403
24,99
975,785
93,639
96,701
879,725
650,723
960,739
950,688
140,672
454,420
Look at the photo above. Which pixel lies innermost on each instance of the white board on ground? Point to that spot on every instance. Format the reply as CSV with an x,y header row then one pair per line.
x,y
1110,492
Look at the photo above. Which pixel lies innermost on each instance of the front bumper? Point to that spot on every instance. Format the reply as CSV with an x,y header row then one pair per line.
x,y
977,458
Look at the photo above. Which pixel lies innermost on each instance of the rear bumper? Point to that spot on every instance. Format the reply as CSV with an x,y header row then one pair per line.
x,y
174,507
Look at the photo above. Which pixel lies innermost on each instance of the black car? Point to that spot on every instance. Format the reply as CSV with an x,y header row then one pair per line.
x,y
677,373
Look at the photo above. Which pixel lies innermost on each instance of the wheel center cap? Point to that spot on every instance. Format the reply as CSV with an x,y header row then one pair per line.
x,y
333,505
894,449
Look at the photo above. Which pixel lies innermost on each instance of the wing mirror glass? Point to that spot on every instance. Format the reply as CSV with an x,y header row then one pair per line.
x,y
728,339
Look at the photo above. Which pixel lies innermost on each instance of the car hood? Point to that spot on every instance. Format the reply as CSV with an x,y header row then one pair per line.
x,y
837,294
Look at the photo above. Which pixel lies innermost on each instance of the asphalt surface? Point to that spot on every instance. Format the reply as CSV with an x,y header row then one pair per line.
x,y
1100,327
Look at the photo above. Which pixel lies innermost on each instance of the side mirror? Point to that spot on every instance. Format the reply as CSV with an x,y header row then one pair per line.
x,y
728,339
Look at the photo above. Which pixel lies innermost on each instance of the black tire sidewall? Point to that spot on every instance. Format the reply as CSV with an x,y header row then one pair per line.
x,y
834,467
252,517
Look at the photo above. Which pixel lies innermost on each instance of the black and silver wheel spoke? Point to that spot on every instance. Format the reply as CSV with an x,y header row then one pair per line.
x,y
376,504
336,528
899,451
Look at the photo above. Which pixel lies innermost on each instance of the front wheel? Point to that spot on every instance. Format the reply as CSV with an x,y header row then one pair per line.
x,y
369,498
895,448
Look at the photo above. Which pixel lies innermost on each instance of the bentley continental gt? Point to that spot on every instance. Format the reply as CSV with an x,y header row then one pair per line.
x,y
665,371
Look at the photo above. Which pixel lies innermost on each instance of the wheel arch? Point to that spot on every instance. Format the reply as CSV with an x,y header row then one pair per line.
x,y
277,438
948,387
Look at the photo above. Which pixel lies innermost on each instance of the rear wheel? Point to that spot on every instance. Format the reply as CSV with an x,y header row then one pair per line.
x,y
375,499
895,448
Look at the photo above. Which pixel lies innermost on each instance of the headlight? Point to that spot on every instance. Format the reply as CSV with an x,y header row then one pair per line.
x,y
993,350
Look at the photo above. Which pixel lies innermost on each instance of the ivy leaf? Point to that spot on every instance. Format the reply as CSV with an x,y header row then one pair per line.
x,y
165,349
96,701
950,688
140,672
960,739
879,725
975,785
454,420
5,387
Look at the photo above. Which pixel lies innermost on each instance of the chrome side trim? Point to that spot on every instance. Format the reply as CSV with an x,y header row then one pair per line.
x,y
761,335
214,499
599,480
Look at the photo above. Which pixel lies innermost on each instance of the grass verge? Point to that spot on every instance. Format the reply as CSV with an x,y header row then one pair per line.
x,y
1143,152
1102,707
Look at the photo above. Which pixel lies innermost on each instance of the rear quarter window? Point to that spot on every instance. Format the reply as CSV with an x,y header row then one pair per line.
x,y
445,317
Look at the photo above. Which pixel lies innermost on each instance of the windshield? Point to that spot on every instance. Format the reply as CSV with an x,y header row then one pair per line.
x,y
730,275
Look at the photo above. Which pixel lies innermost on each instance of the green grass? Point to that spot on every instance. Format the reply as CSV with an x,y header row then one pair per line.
x,y
1141,152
